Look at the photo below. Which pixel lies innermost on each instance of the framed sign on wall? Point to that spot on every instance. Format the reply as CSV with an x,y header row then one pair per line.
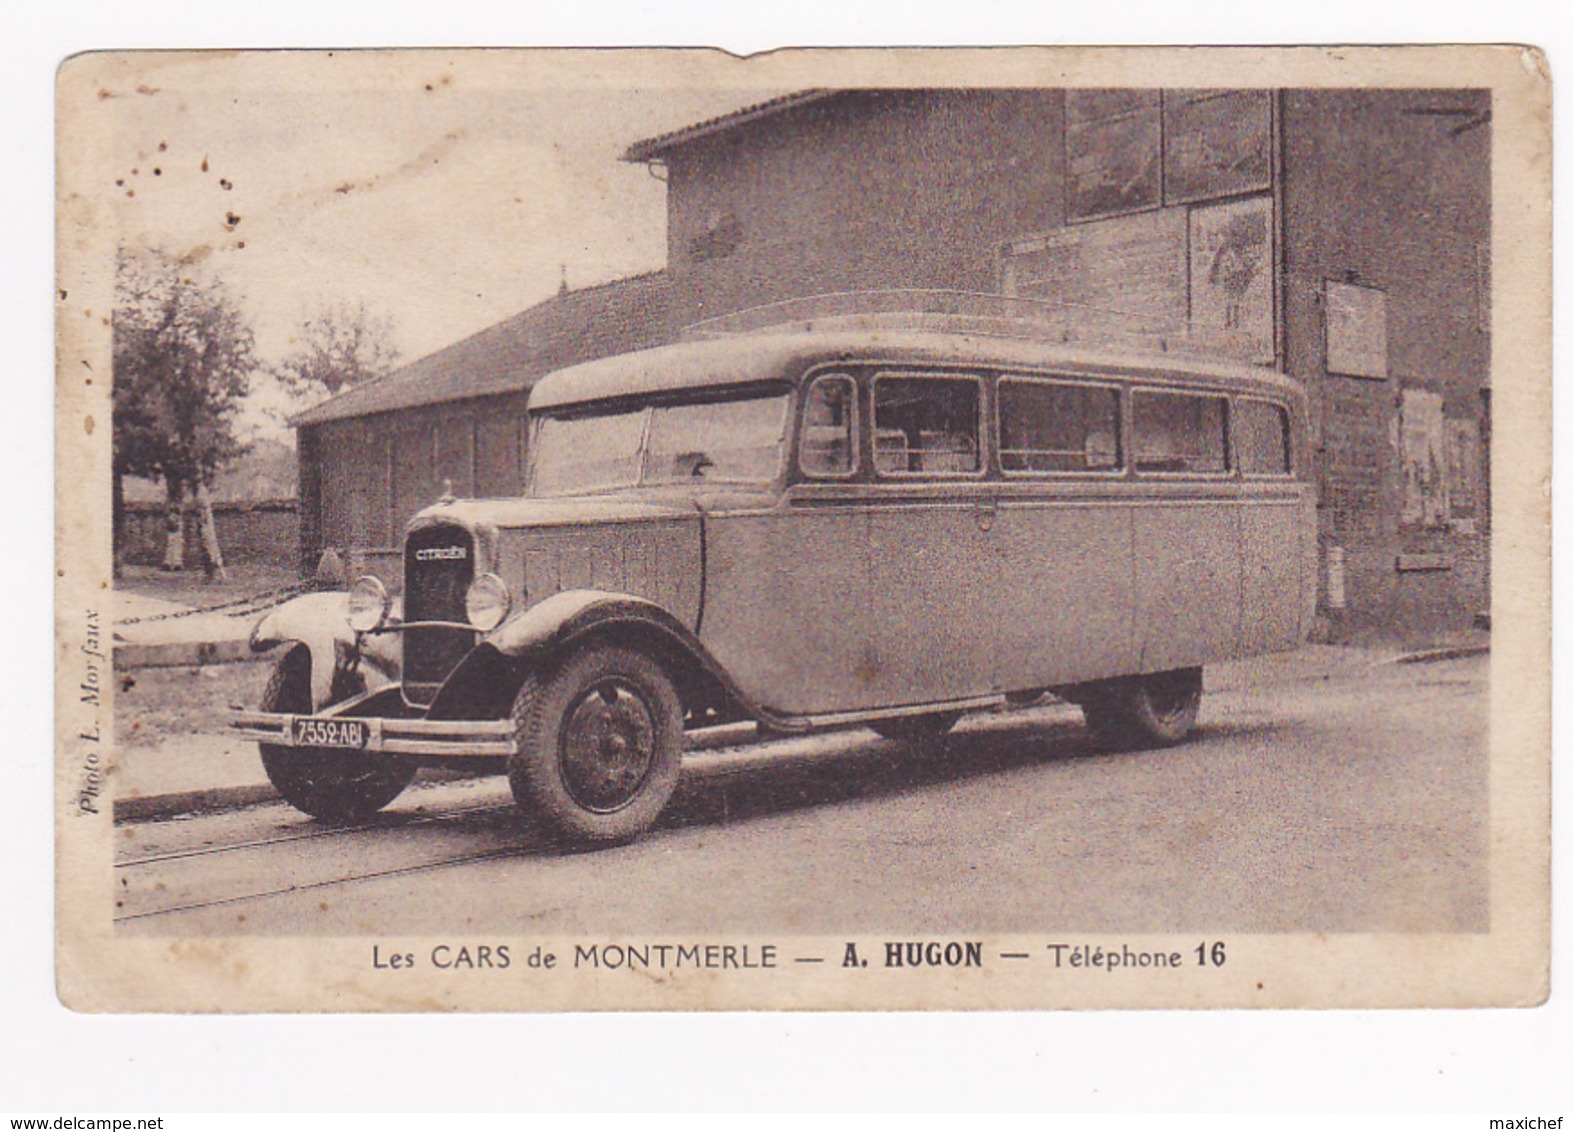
x,y
1356,330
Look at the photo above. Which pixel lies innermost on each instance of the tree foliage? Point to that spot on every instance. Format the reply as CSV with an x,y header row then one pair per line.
x,y
343,346
183,359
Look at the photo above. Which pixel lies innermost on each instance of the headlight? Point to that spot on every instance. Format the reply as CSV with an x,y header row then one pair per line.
x,y
369,603
487,603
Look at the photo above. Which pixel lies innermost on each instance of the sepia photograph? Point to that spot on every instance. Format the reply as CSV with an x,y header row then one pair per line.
x,y
555,530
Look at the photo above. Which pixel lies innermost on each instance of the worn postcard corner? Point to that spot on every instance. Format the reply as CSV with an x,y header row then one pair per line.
x,y
922,529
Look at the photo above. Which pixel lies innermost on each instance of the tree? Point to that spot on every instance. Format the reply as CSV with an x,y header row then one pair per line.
x,y
182,361
343,346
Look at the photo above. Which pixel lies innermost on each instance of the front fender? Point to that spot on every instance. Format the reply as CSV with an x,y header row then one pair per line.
x,y
565,619
320,622
487,680
555,619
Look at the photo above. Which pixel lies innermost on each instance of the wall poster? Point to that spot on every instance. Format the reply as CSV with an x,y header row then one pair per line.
x,y
1231,273
1216,143
1423,449
1128,272
1112,150
1464,459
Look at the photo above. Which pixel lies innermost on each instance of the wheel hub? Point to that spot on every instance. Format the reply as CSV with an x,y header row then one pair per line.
x,y
608,746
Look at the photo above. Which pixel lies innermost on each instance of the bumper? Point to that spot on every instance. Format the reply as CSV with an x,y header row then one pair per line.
x,y
455,738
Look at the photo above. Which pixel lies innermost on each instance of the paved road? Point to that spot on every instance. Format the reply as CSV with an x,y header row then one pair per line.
x,y
1358,803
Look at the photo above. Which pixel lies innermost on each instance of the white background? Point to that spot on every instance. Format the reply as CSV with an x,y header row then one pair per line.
x,y
52,1061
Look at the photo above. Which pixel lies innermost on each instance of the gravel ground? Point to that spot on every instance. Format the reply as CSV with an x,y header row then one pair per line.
x,y
156,705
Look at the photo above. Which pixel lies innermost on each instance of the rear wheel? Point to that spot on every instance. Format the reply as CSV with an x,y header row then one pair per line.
x,y
329,784
600,744
1156,710
916,729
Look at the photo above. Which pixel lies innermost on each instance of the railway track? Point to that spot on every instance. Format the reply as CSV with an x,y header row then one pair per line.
x,y
200,866
304,835
238,858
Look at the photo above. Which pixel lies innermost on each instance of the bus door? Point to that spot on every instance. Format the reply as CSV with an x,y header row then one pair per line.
x,y
933,573
1064,536
1187,533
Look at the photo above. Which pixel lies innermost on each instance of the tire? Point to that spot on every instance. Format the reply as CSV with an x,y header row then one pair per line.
x,y
600,744
1158,710
918,730
331,785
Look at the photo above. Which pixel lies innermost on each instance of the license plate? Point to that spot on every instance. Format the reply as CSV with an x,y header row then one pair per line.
x,y
354,734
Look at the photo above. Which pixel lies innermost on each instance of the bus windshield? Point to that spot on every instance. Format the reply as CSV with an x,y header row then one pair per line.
x,y
739,440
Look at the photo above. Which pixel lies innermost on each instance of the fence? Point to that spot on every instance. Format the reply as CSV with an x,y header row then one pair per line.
x,y
261,532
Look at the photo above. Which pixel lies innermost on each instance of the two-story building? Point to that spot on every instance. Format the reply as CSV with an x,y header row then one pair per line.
x,y
1342,236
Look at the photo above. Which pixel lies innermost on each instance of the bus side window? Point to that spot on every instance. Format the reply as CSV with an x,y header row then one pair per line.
x,y
1062,427
1183,433
926,425
829,446
1263,431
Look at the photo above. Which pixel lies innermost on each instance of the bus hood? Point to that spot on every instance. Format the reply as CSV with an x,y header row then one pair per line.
x,y
518,514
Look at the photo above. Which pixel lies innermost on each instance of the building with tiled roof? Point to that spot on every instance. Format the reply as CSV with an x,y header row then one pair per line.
x,y
572,326
1340,236
377,453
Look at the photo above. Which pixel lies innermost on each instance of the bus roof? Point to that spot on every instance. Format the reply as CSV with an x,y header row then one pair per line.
x,y
743,358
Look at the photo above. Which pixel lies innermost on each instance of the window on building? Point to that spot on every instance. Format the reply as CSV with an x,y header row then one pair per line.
x,y
717,238
1058,427
1180,432
926,426
1263,432
830,439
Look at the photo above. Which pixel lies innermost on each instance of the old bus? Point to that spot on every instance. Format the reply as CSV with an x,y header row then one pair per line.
x,y
808,528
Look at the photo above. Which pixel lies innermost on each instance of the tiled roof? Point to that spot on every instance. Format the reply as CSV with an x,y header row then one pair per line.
x,y
661,143
573,326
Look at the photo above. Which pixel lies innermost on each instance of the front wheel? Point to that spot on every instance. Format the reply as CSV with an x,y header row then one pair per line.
x,y
329,784
600,744
1156,710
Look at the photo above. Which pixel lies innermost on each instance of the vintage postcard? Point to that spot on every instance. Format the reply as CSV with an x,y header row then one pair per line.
x,y
925,529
